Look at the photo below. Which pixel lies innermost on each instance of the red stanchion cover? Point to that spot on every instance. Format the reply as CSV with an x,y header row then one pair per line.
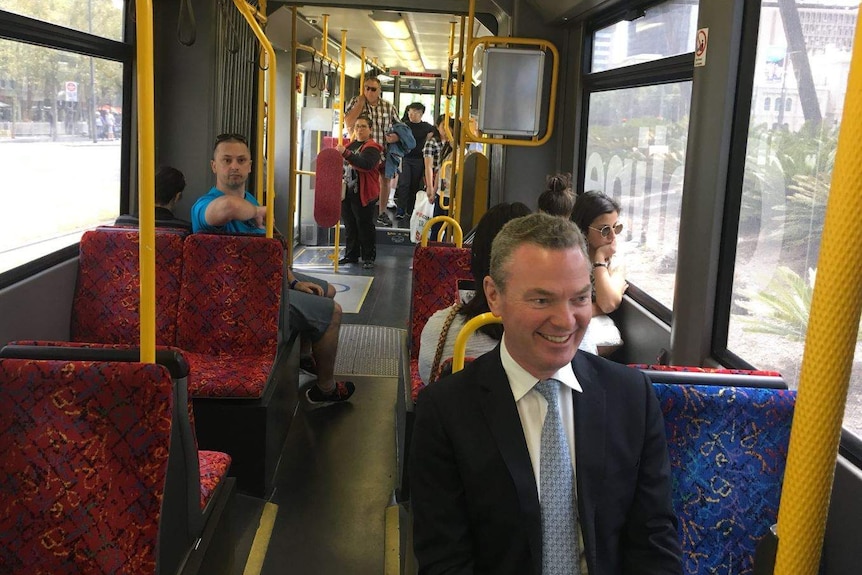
x,y
327,188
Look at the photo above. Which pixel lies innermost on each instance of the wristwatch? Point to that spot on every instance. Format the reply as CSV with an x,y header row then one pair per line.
x,y
600,265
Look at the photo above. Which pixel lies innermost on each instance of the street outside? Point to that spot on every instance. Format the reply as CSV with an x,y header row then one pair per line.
x,y
53,191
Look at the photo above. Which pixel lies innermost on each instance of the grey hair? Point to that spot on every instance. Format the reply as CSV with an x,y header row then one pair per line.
x,y
543,230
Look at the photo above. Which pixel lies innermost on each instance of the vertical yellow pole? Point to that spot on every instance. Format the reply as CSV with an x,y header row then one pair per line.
x,y
829,347
258,152
291,209
249,16
343,62
146,178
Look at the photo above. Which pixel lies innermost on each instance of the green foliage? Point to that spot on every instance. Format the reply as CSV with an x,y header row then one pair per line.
x,y
39,73
787,301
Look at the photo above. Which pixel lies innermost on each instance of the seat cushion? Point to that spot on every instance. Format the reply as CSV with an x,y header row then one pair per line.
x,y
214,466
224,375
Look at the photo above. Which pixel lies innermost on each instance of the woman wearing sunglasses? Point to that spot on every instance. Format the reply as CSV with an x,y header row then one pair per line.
x,y
597,216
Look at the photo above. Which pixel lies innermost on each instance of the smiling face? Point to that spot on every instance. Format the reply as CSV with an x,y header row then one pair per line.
x,y
231,164
545,305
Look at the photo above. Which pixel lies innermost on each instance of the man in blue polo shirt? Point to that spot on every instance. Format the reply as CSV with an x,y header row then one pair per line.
x,y
229,208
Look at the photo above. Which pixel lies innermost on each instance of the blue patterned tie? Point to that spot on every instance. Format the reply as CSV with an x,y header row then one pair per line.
x,y
560,555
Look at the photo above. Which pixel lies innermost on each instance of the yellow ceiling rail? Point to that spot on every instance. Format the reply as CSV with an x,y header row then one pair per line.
x,y
249,14
471,326
146,178
829,346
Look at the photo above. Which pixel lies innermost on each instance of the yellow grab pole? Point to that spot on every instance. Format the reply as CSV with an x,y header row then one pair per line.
x,y
146,178
829,345
343,59
466,331
291,209
249,15
258,152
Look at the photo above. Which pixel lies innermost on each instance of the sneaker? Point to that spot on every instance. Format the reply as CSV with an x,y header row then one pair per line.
x,y
344,261
369,265
383,220
400,215
390,204
308,365
342,392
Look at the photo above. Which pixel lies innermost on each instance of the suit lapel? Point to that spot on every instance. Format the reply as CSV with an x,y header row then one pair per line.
x,y
501,414
590,449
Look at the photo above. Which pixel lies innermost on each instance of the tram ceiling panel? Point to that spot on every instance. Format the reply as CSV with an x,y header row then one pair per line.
x,y
562,11
400,38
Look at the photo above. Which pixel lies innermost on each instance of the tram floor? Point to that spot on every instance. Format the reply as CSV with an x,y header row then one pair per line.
x,y
338,470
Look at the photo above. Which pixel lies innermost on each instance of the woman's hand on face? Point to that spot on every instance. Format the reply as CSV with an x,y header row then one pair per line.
x,y
606,252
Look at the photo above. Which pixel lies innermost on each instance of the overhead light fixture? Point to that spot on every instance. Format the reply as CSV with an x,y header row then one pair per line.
x,y
394,30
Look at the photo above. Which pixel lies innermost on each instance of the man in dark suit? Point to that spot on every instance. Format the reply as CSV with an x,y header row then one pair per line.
x,y
479,502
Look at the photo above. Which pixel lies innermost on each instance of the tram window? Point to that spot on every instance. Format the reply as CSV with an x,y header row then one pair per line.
x,y
788,170
636,142
99,17
66,179
663,30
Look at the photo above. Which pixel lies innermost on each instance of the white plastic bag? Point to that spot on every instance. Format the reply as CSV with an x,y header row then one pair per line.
x,y
423,210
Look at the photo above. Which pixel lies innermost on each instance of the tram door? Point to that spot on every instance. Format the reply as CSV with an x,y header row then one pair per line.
x,y
405,90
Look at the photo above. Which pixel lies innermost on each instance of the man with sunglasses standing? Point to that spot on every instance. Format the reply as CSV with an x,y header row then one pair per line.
x,y
383,115
229,208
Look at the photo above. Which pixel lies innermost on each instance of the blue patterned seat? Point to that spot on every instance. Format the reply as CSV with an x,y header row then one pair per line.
x,y
728,448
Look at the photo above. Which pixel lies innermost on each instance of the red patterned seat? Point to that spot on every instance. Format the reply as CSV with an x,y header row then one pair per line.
x,y
230,296
85,448
105,307
213,466
436,271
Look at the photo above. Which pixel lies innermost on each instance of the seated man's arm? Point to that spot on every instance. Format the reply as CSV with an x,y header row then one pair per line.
x,y
307,287
224,209
441,527
651,542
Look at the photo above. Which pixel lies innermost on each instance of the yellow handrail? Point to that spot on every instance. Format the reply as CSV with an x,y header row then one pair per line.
x,y
249,14
468,134
146,178
829,346
461,340
338,136
458,233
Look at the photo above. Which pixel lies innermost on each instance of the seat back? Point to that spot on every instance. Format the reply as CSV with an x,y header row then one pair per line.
x,y
85,449
436,271
718,376
728,449
106,304
230,295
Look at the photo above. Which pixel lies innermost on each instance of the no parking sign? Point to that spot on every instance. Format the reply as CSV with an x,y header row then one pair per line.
x,y
71,91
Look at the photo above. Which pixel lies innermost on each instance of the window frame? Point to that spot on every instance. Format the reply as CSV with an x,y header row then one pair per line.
x,y
671,69
26,30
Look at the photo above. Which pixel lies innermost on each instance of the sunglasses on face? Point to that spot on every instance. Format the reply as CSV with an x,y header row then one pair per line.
x,y
370,89
605,230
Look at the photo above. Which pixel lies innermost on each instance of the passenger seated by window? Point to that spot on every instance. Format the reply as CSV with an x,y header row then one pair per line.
x,y
170,183
558,199
437,342
229,208
597,216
